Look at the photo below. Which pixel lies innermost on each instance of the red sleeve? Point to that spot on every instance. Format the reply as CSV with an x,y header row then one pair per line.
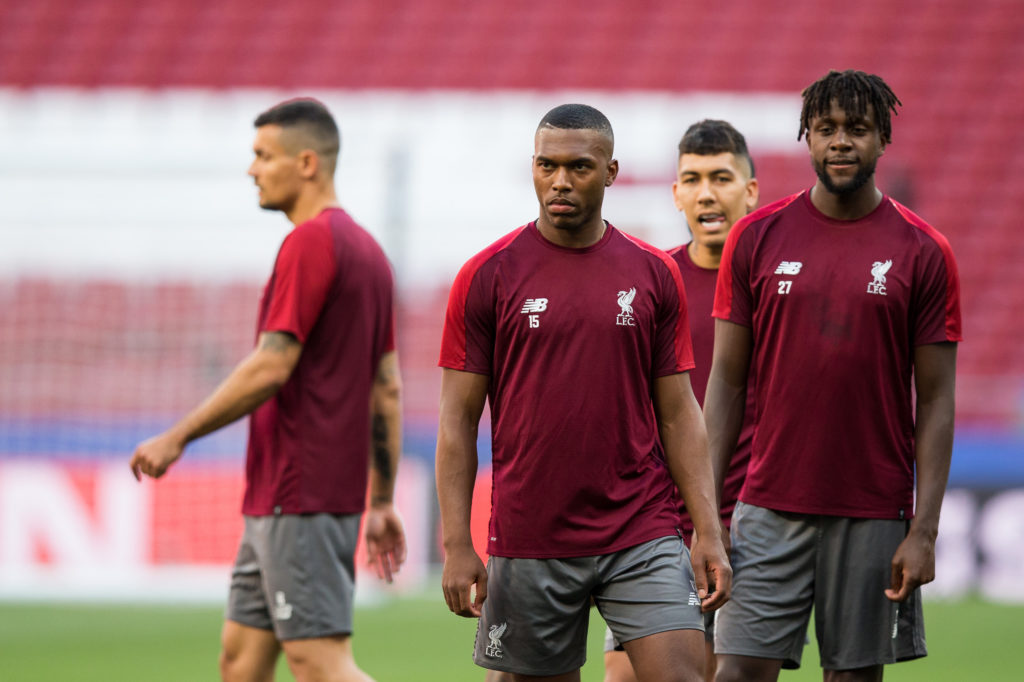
x,y
303,274
453,337
467,342
937,305
674,329
733,297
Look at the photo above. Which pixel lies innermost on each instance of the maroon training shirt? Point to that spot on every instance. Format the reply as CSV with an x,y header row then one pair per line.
x,y
700,297
572,340
836,309
309,444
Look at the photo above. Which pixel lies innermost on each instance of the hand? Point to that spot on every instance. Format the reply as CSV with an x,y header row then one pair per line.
x,y
712,572
462,570
153,457
385,540
913,565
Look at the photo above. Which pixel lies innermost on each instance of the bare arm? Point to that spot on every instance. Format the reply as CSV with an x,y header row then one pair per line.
x,y
913,564
725,400
462,401
386,446
383,528
255,379
685,441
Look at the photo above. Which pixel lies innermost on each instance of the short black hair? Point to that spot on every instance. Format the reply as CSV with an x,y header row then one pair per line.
x,y
853,91
313,117
711,136
577,117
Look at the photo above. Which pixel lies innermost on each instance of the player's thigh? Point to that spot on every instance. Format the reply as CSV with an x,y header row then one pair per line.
x,y
247,602
617,667
773,560
247,653
670,656
857,626
534,620
648,589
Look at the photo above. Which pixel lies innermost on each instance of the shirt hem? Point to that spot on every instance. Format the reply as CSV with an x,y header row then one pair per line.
x,y
663,532
898,514
281,510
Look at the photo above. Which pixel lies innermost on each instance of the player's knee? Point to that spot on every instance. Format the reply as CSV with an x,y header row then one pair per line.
x,y
333,664
235,667
230,662
745,669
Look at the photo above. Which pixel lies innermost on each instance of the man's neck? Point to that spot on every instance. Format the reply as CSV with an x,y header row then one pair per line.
x,y
580,238
846,206
309,207
704,255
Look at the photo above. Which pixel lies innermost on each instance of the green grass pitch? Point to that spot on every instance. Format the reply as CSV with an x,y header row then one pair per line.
x,y
411,640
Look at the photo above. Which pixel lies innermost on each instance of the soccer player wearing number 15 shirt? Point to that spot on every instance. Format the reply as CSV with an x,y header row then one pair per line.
x,y
839,301
577,336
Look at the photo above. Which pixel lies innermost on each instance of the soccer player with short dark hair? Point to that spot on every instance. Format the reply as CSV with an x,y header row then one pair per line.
x,y
577,336
714,187
322,388
840,305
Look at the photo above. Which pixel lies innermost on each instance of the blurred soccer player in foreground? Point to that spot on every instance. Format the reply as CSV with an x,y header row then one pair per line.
x,y
838,303
322,387
577,336
715,186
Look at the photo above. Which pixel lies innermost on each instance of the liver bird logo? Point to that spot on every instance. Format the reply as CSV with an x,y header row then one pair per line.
x,y
878,270
494,633
626,300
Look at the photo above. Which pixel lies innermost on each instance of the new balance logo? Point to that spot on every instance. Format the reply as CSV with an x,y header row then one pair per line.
x,y
534,305
693,600
789,267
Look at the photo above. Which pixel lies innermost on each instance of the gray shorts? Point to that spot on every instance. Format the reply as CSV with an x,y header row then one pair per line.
x,y
784,564
612,644
535,617
294,574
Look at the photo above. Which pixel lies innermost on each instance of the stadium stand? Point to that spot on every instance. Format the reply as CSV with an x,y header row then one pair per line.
x,y
956,66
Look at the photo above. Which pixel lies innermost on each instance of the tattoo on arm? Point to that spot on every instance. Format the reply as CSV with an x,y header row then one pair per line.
x,y
278,342
381,455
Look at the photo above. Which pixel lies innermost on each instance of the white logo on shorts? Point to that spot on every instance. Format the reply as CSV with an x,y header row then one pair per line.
x,y
494,633
282,609
694,600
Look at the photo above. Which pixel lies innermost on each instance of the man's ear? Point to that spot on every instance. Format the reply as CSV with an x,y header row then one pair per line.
x,y
613,172
309,163
753,193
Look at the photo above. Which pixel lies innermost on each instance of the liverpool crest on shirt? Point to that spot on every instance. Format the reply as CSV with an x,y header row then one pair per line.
x,y
878,270
625,301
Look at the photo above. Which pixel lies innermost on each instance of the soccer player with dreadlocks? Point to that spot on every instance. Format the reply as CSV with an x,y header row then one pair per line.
x,y
837,304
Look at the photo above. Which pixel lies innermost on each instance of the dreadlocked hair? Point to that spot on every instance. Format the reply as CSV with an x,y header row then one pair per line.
x,y
853,91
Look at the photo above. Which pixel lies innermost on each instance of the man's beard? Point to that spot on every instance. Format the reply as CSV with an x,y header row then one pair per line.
x,y
861,178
